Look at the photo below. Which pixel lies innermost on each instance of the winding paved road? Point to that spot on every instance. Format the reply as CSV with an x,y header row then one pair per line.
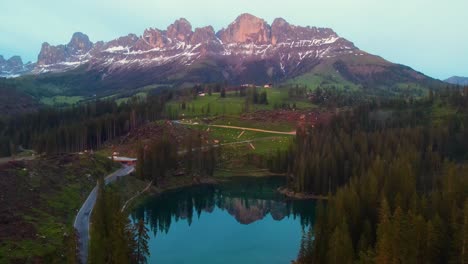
x,y
83,217
8,159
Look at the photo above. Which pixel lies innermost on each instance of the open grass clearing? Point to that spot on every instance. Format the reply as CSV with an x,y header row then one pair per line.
x,y
232,104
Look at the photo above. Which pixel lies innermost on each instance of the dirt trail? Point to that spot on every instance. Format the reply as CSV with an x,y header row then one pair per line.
x,y
256,129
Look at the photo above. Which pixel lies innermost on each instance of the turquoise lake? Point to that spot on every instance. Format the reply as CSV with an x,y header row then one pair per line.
x,y
241,221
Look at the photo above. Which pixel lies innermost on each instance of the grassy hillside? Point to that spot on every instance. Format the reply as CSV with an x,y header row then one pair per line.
x,y
350,72
39,204
366,73
232,104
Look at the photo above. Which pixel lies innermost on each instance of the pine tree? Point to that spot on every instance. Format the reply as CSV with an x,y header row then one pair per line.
x,y
398,251
384,229
141,238
463,247
139,170
433,241
340,247
71,246
120,251
99,239
223,92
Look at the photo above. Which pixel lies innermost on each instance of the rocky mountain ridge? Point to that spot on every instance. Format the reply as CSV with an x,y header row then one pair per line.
x,y
249,50
14,67
248,37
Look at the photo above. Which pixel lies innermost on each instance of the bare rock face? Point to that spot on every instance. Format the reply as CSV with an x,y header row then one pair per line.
x,y
79,44
14,67
61,57
204,34
282,31
15,62
51,54
154,38
207,42
279,30
122,43
180,30
246,29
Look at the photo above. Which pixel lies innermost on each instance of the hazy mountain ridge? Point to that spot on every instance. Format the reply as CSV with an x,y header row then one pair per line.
x,y
14,66
458,80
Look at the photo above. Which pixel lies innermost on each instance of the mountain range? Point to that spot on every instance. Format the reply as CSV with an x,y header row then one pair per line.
x,y
14,67
249,50
457,80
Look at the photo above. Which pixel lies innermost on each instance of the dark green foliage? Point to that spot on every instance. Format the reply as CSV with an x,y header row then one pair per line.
x,y
162,158
297,92
412,227
114,239
141,238
157,160
399,198
14,102
327,156
255,97
71,246
200,155
210,90
78,128
223,92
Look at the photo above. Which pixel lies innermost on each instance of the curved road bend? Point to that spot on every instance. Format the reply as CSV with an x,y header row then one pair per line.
x,y
84,214
83,217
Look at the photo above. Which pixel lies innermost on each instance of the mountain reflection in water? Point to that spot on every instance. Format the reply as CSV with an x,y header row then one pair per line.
x,y
246,199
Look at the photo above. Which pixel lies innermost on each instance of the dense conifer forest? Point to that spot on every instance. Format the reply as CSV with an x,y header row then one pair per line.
x,y
396,179
163,158
85,126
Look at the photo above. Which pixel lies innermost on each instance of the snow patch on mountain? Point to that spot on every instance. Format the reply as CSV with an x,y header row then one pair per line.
x,y
247,38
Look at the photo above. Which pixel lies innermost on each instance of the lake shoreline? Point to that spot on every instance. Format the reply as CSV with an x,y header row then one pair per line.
x,y
173,185
186,182
299,195
243,209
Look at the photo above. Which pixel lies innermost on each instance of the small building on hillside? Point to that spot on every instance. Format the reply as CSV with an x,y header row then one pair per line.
x,y
124,160
179,172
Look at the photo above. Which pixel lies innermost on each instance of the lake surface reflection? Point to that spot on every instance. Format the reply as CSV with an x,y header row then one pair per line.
x,y
241,221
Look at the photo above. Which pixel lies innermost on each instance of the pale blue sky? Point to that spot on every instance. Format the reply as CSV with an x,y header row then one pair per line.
x,y
428,35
